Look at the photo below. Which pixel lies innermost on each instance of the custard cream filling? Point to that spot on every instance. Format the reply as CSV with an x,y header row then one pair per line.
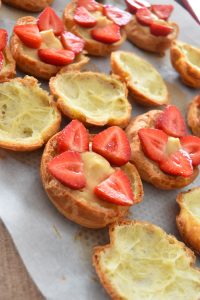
x,y
191,201
192,54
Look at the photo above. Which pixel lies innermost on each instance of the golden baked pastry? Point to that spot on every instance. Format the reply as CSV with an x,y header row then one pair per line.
x,y
28,115
185,58
144,262
142,79
92,46
83,206
8,69
188,220
148,169
193,115
93,98
27,58
29,5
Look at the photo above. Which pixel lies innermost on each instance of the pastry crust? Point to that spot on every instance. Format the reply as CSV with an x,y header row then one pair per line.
x,y
80,210
36,67
148,169
193,116
187,221
125,65
8,70
29,5
92,46
140,259
141,36
184,64
20,131
117,110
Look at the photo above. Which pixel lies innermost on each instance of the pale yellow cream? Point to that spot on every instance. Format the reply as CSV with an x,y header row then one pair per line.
x,y
191,53
192,202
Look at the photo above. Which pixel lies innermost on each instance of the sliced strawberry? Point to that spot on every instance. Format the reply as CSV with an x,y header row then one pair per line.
x,y
56,57
68,169
108,34
178,163
112,143
171,122
133,6
48,19
143,3
1,60
191,144
72,42
117,15
144,16
153,143
162,11
159,29
29,34
116,189
84,18
90,5
73,137
3,38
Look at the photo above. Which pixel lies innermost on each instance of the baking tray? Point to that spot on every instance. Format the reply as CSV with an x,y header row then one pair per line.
x,y
57,252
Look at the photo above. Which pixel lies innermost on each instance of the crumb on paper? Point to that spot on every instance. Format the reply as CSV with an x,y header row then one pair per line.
x,y
63,277
94,278
57,232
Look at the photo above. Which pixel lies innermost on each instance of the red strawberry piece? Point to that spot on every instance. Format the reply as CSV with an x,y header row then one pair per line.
x,y
1,60
84,18
159,29
143,3
116,189
48,19
90,5
144,16
133,6
117,15
73,137
162,11
56,57
3,38
112,143
68,169
29,34
171,122
178,163
72,42
191,144
153,143
108,34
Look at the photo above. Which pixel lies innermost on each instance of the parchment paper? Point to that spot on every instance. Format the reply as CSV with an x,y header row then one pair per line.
x,y
57,252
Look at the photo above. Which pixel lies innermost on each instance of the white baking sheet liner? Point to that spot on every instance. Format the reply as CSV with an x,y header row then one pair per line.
x,y
57,252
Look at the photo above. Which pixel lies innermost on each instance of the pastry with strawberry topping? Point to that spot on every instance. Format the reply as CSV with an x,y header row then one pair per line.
x,y
193,116
101,26
7,63
89,178
162,150
149,28
42,47
29,5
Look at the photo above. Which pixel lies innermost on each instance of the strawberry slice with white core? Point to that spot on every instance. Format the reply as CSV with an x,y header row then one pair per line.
x,y
178,163
144,16
1,60
90,5
113,144
117,15
72,42
48,19
143,3
159,29
171,122
133,6
191,144
3,38
56,57
29,34
162,11
116,189
73,137
83,18
68,169
108,34
153,143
